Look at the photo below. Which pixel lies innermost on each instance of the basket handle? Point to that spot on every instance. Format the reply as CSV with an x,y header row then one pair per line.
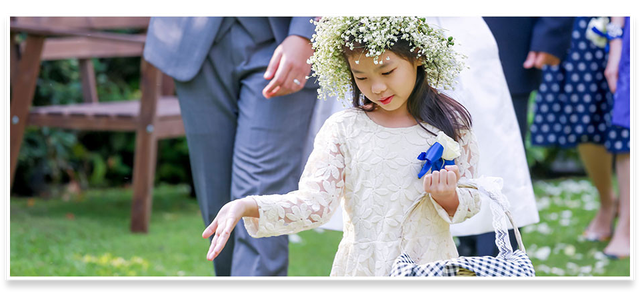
x,y
472,184
516,231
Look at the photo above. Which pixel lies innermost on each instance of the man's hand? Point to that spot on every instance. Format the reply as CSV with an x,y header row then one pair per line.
x,y
539,59
288,65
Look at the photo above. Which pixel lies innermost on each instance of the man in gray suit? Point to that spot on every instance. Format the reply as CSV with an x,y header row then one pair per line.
x,y
246,107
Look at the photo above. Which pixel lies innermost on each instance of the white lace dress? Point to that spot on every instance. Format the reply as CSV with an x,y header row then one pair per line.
x,y
371,171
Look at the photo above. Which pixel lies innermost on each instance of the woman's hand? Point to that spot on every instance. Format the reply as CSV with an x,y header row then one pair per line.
x,y
442,187
225,221
613,63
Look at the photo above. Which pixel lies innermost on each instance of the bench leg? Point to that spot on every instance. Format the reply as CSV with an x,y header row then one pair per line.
x,y
144,165
24,86
144,168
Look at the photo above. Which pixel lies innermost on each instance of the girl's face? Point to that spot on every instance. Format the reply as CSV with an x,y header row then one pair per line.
x,y
389,84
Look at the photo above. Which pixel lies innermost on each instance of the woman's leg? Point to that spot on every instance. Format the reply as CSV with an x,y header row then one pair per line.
x,y
598,164
620,242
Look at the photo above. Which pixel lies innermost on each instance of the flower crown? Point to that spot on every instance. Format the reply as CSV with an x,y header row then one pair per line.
x,y
441,63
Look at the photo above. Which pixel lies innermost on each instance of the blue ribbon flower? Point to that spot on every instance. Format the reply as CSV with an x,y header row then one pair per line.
x,y
433,158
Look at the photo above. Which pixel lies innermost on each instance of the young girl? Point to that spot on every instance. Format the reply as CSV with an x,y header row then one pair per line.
x,y
365,158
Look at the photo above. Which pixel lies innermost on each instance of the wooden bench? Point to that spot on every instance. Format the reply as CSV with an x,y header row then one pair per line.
x,y
155,116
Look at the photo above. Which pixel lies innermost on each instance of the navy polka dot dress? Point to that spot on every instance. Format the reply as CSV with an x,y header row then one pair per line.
x,y
574,104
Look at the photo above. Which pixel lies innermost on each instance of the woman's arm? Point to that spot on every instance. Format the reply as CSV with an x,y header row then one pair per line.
x,y
615,51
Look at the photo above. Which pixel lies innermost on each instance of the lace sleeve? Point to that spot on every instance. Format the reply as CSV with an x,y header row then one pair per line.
x,y
318,196
469,198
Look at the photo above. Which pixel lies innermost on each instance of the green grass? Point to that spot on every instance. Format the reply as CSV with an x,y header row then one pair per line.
x,y
555,245
88,235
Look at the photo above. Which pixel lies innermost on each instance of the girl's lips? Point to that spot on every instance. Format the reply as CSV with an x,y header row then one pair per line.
x,y
387,100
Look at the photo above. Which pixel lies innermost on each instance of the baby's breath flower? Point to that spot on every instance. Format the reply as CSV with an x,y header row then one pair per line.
x,y
441,63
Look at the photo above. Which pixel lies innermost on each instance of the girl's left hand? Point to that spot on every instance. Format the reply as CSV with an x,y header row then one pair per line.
x,y
442,187
225,221
443,183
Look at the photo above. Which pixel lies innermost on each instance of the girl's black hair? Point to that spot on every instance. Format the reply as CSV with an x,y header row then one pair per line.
x,y
425,103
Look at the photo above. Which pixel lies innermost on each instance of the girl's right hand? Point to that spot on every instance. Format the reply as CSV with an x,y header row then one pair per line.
x,y
225,221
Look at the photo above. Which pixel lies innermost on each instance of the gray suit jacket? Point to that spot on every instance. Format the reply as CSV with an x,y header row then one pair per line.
x,y
179,45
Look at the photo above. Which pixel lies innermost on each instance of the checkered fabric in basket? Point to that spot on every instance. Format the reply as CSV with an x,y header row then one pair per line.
x,y
508,263
516,264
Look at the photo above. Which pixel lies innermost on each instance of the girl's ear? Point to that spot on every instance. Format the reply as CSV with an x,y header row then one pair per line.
x,y
419,61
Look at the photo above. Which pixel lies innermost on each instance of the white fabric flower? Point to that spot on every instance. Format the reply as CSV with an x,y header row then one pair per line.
x,y
451,147
600,24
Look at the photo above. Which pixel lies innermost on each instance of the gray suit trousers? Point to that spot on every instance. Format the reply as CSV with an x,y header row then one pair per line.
x,y
242,144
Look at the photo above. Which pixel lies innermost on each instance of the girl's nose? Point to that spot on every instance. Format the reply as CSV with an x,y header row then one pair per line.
x,y
378,88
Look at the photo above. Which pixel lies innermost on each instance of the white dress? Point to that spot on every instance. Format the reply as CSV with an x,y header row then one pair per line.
x,y
371,171
483,90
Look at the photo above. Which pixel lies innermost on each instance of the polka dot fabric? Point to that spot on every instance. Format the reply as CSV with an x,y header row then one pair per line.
x,y
574,103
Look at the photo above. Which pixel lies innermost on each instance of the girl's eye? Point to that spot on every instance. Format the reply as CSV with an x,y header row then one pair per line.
x,y
361,78
387,73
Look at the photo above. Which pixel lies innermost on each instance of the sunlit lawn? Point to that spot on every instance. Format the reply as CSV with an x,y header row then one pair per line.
x,y
555,245
88,235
